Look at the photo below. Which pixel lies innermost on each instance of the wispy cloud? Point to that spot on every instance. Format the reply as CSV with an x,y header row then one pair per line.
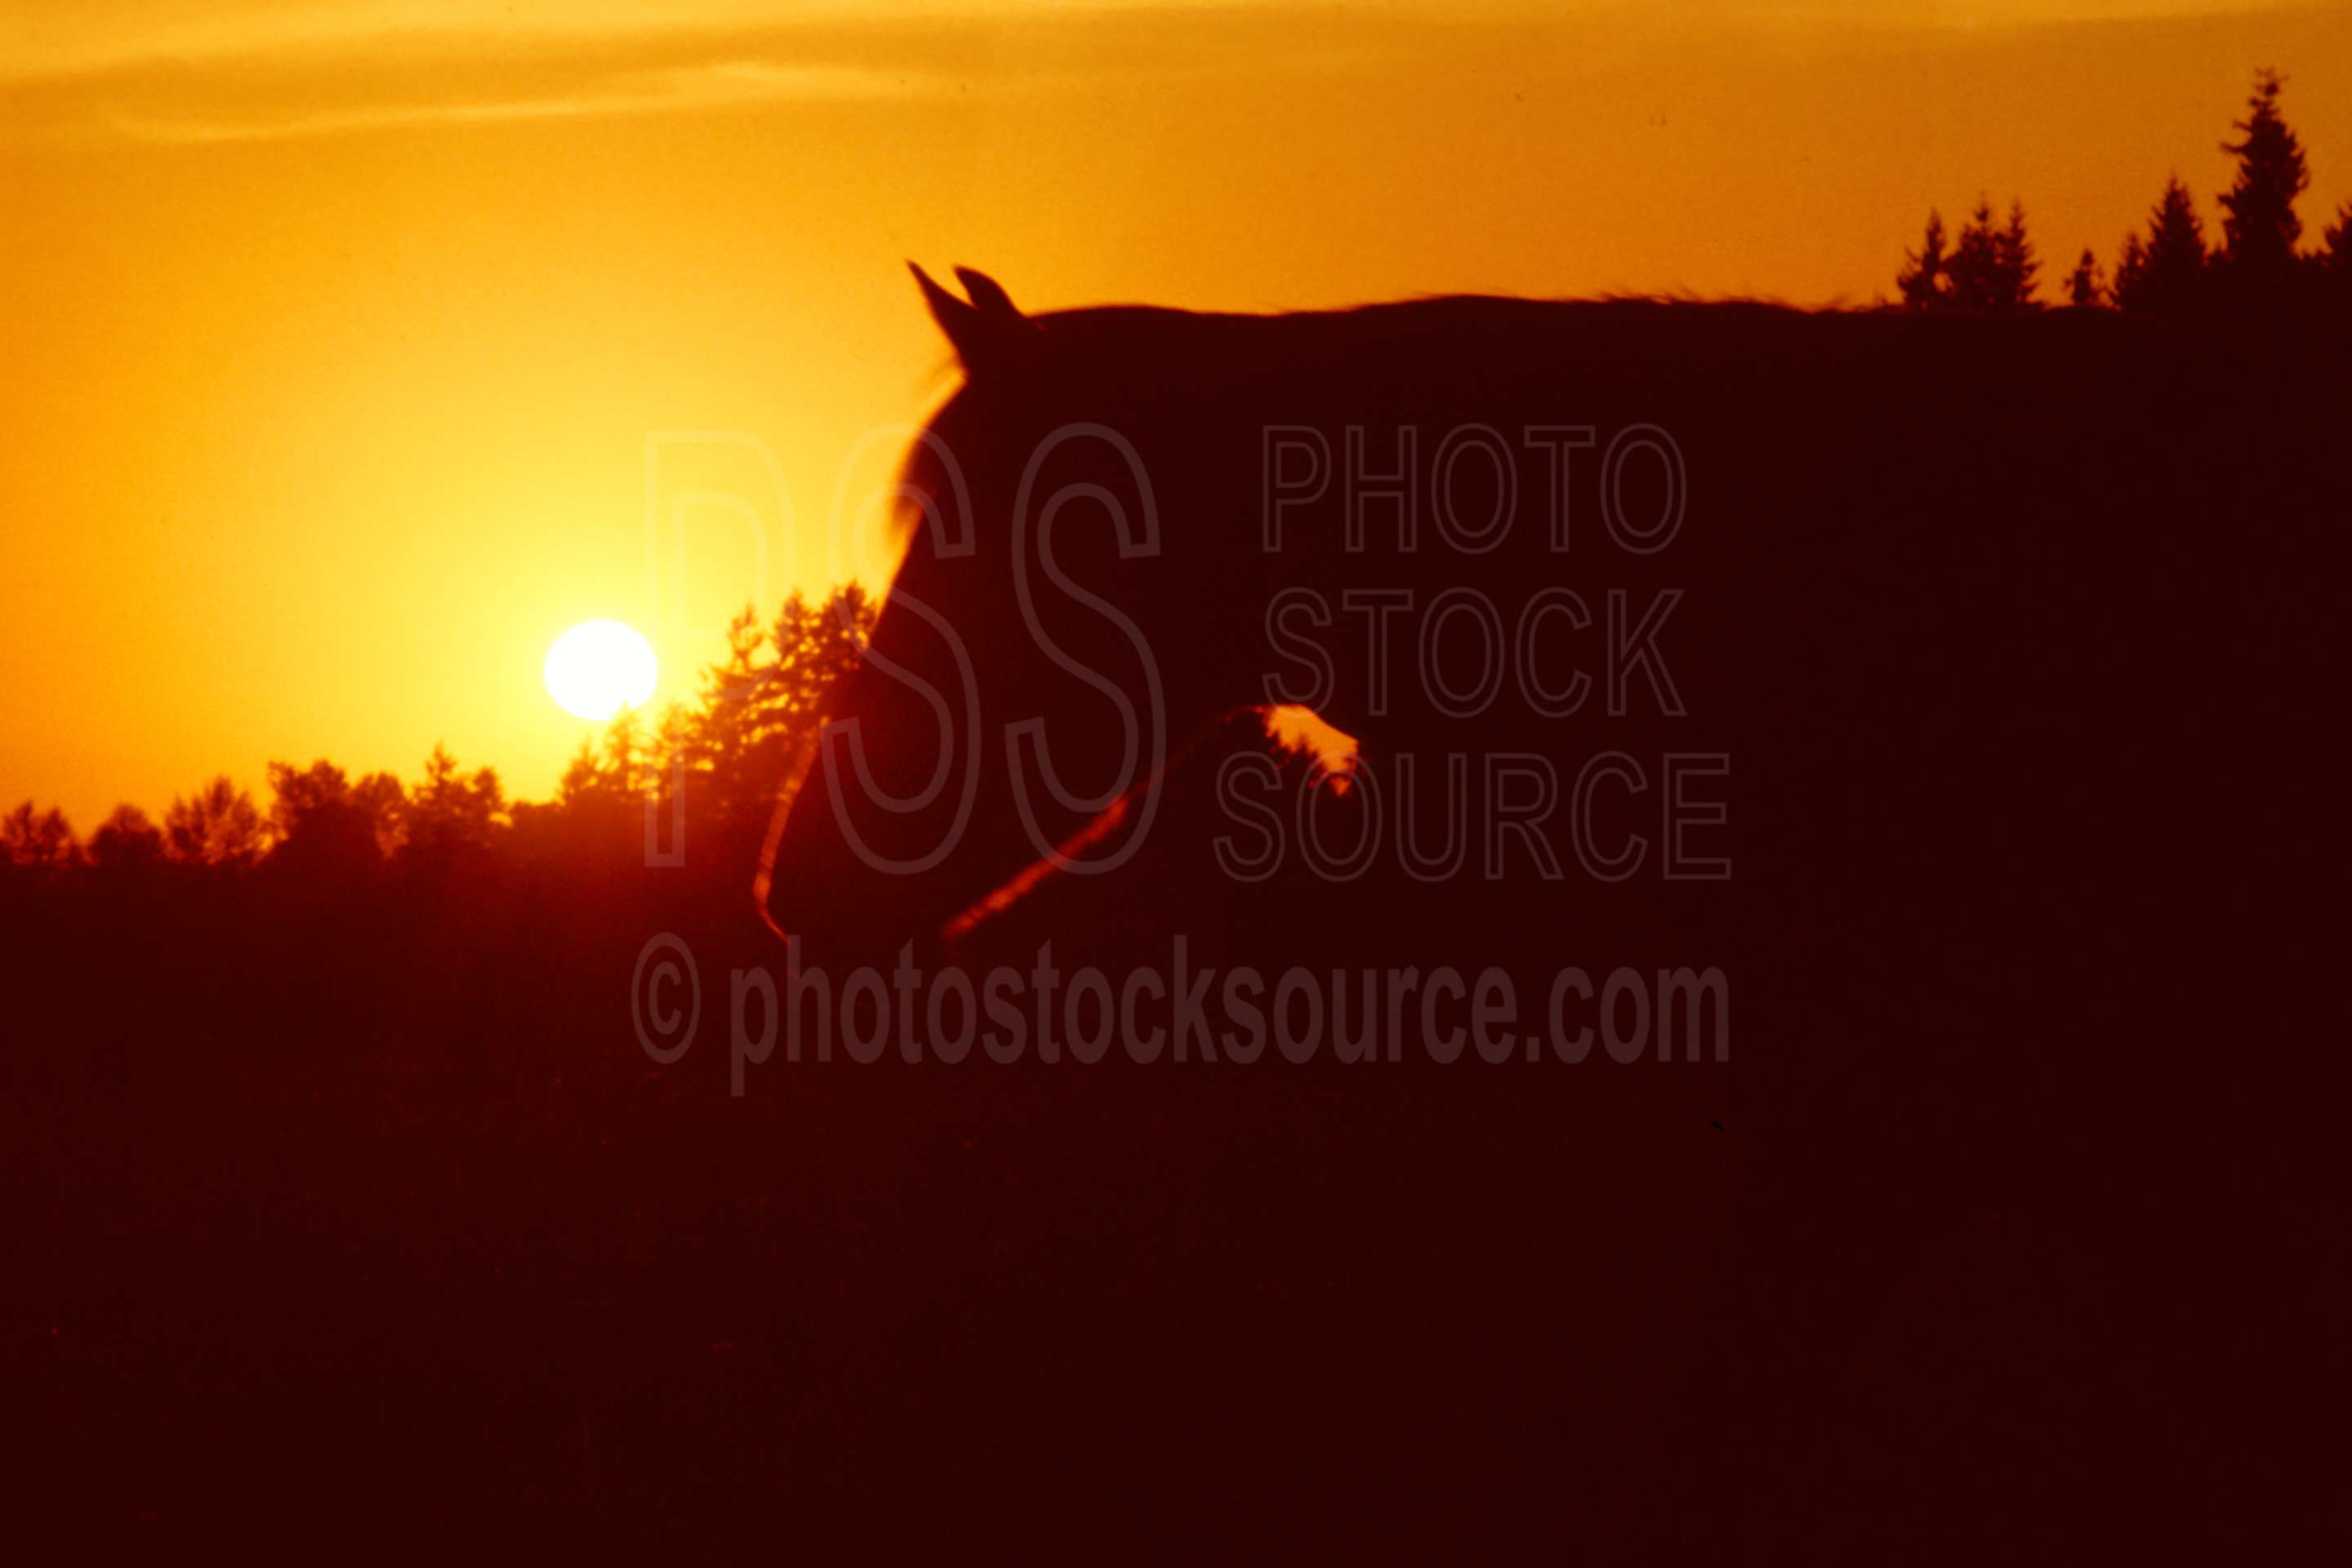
x,y
94,37
197,70
717,85
285,71
104,34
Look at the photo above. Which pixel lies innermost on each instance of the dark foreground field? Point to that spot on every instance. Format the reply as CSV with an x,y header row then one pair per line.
x,y
330,1221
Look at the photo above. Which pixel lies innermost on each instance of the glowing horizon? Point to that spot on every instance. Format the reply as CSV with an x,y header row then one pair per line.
x,y
346,335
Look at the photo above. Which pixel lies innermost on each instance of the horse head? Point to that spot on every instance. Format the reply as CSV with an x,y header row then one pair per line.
x,y
1053,629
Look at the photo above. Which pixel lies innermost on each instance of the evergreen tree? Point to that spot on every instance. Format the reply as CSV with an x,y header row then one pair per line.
x,y
673,749
727,727
299,794
2259,226
126,841
218,826
2084,291
1973,274
623,754
1992,267
584,780
2131,271
815,647
767,699
2017,266
786,691
2335,251
319,817
381,799
450,812
2166,272
38,840
317,822
1921,282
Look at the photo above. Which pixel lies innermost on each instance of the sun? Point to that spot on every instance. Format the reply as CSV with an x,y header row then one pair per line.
x,y
599,667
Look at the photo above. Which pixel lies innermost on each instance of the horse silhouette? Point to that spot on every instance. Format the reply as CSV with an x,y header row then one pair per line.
x,y
1952,684
1930,585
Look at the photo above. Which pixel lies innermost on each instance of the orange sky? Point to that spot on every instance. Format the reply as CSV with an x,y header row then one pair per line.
x,y
335,334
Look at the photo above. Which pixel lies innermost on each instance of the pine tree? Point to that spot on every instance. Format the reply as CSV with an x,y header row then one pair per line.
x,y
583,778
727,727
38,840
2017,266
624,754
322,820
786,698
2131,271
1992,267
2083,289
2335,251
380,798
1973,275
767,698
299,794
1921,282
126,841
218,826
2167,272
825,643
673,749
448,810
2259,226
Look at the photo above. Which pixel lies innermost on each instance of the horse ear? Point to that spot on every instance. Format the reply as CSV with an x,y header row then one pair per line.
x,y
988,331
987,296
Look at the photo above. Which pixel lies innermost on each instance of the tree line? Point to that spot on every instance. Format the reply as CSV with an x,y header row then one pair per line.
x,y
716,761
2171,268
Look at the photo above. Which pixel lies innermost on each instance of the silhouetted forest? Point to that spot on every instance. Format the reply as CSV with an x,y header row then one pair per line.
x,y
2259,265
707,771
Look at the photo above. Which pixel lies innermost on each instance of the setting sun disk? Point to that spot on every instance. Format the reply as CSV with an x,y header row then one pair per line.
x,y
599,667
